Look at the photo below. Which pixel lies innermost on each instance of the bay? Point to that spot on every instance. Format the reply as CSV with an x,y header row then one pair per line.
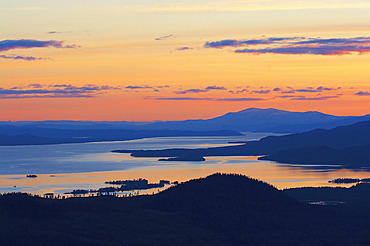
x,y
64,167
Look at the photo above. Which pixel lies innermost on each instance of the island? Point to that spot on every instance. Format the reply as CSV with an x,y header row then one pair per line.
x,y
349,181
125,185
184,158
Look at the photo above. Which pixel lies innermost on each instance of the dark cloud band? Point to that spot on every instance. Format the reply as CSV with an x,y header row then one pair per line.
x,y
296,45
53,91
26,58
6,45
204,99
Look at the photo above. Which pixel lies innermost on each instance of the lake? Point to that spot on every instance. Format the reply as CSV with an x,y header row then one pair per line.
x,y
64,167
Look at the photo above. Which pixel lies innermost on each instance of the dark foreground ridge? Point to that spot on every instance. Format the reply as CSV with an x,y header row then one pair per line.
x,y
222,209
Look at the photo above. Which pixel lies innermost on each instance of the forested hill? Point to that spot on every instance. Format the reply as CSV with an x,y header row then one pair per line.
x,y
219,210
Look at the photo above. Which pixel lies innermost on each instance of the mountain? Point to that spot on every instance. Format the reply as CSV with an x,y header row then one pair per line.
x,y
352,140
248,120
264,120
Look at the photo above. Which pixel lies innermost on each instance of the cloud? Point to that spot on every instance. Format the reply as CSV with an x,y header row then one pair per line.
x,y
286,96
183,48
179,98
215,88
310,50
262,91
322,88
191,91
6,45
146,88
296,45
290,91
204,99
238,43
26,58
35,85
331,41
239,91
55,32
164,37
363,93
313,98
208,88
239,99
134,87
222,44
308,89
62,91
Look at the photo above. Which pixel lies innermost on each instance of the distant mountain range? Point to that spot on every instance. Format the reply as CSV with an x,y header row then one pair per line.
x,y
264,120
344,145
248,120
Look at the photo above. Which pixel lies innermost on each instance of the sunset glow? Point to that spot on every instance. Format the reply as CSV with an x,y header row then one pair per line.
x,y
174,60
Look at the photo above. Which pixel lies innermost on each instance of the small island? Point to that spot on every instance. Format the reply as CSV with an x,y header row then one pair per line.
x,y
349,181
125,185
31,176
184,158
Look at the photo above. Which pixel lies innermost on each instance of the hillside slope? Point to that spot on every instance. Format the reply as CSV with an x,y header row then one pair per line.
x,y
219,210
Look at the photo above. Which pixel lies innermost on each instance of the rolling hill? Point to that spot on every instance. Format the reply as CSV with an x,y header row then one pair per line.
x,y
220,210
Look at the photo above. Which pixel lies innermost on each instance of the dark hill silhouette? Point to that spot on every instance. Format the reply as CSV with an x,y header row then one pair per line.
x,y
220,210
354,157
221,191
343,137
246,211
357,134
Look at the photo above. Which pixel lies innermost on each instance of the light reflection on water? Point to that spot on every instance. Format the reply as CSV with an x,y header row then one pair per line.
x,y
62,168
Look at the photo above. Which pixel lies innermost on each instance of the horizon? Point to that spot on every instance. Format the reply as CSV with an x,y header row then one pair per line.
x,y
145,61
153,121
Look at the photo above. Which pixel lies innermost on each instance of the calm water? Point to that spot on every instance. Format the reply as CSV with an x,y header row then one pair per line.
x,y
62,168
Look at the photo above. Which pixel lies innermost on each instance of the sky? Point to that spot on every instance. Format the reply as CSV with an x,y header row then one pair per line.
x,y
146,60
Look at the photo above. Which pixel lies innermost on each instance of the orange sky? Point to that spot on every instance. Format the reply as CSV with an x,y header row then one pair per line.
x,y
173,60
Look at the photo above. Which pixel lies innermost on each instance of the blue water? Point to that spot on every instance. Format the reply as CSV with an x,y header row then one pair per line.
x,y
95,157
62,168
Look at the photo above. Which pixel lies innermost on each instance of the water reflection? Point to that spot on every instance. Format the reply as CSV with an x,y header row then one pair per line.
x,y
63,168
